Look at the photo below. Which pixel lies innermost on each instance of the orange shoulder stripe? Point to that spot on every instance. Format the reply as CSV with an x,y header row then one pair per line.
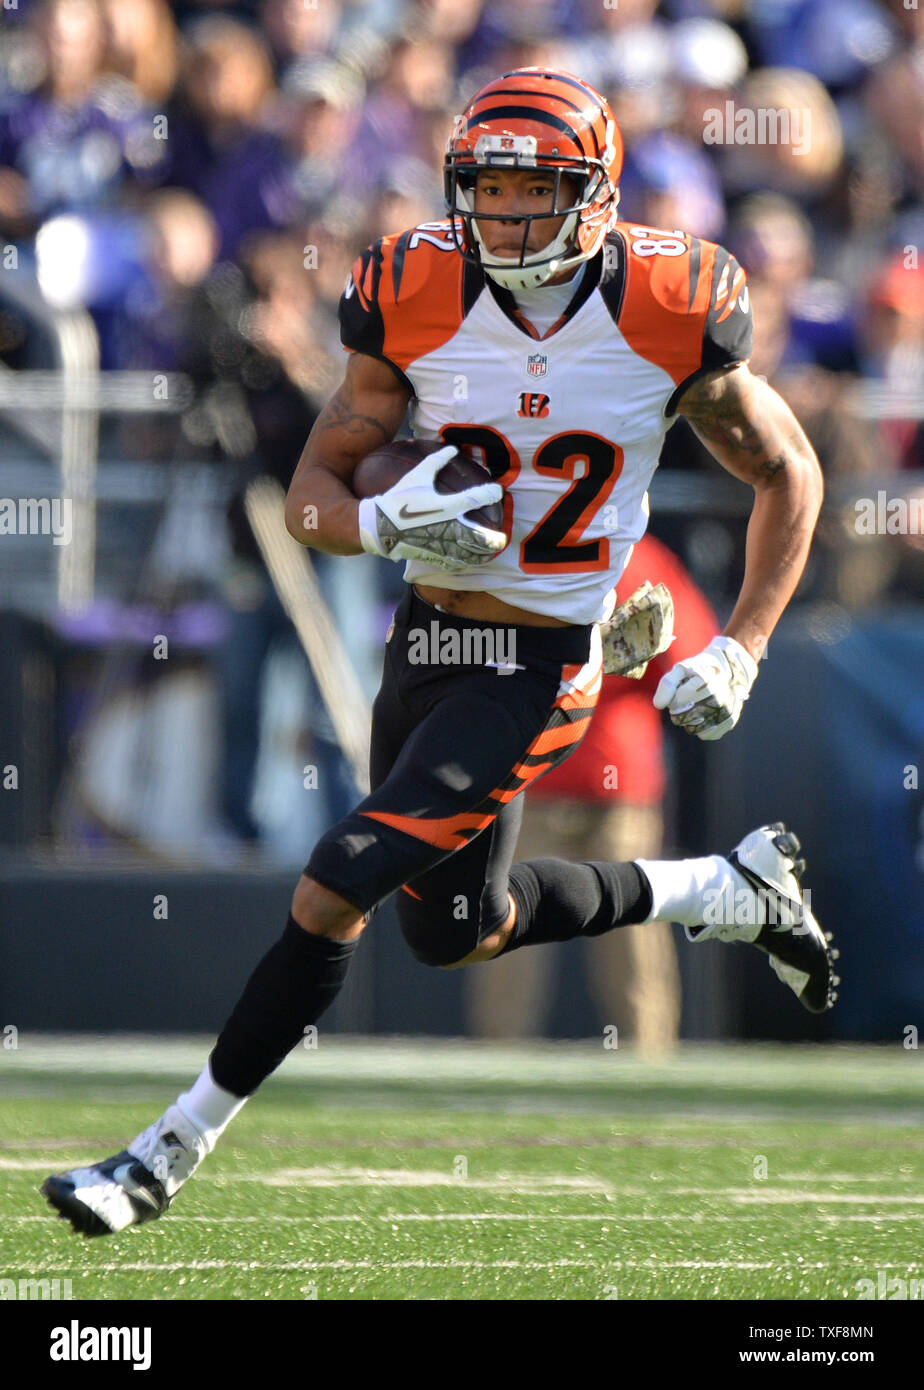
x,y
663,315
420,293
731,294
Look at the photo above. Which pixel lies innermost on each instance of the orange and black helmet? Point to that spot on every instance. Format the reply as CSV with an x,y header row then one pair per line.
x,y
536,118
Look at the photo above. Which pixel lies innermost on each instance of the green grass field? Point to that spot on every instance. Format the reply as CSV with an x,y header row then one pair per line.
x,y
388,1169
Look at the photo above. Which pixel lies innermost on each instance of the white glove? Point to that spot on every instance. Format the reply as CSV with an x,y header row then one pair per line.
x,y
412,521
705,694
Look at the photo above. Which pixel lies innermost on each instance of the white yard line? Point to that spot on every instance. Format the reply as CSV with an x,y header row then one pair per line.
x,y
151,1266
226,1220
309,1265
559,1184
825,1198
414,1177
764,1070
614,1218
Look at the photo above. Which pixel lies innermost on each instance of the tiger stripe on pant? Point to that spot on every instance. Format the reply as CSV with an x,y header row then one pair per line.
x,y
453,747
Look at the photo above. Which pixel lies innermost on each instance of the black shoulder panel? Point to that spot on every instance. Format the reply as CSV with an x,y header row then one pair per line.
x,y
728,335
361,325
612,282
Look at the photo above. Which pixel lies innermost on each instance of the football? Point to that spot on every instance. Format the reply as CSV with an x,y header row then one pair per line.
x,y
381,469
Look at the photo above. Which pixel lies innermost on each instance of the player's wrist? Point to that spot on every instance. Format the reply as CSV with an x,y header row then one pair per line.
x,y
735,651
367,518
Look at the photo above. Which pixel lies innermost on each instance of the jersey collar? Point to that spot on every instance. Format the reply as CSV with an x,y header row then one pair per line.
x,y
506,302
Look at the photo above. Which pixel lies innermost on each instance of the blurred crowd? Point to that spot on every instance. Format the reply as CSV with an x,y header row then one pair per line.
x,y
201,176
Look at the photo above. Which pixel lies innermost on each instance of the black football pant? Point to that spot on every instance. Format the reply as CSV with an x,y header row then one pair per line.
x,y
453,742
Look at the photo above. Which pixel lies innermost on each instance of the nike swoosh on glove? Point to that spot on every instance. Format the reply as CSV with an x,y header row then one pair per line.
x,y
412,521
706,693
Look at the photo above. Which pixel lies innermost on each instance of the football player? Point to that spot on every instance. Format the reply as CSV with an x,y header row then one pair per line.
x,y
557,345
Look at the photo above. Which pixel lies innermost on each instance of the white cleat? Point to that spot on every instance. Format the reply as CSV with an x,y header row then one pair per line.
x,y
771,912
133,1186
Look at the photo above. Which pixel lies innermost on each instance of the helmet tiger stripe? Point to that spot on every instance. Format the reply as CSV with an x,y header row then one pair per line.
x,y
535,118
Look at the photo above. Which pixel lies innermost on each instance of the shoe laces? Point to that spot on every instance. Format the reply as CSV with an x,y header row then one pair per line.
x,y
162,1148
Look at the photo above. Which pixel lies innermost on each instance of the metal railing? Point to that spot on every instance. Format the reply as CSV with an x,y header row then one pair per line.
x,y
59,409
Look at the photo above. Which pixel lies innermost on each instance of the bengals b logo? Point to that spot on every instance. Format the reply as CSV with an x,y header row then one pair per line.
x,y
533,404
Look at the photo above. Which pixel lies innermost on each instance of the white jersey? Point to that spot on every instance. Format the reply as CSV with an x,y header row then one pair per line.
x,y
571,423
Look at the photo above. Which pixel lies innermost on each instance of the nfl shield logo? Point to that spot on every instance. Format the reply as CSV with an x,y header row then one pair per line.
x,y
537,364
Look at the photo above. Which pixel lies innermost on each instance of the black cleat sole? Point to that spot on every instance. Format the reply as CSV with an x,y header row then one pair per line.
x,y
61,1196
147,1202
818,994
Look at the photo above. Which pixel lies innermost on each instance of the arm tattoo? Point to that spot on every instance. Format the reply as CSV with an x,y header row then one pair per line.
x,y
338,414
795,444
716,412
770,467
724,417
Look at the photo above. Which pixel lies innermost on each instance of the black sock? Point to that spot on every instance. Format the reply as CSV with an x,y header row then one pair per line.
x,y
291,987
557,900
